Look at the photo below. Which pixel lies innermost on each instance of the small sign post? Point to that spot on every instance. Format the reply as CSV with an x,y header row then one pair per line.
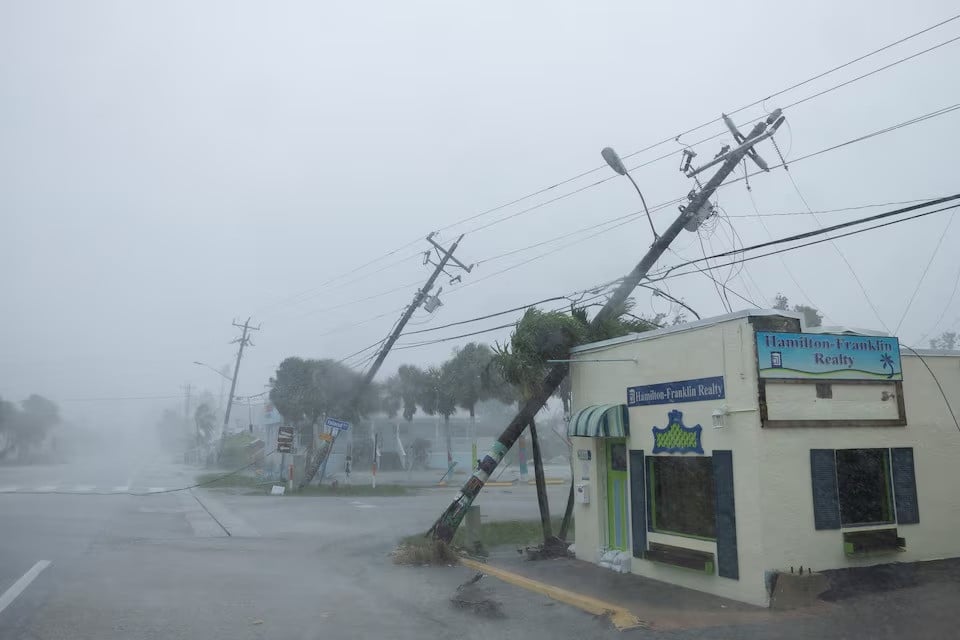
x,y
285,440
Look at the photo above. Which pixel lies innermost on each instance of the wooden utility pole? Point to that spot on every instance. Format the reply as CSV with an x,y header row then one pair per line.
x,y
446,256
244,341
691,215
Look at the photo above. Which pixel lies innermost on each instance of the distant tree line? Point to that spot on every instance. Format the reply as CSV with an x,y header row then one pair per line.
x,y
25,427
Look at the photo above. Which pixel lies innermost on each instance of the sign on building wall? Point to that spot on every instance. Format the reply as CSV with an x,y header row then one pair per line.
x,y
679,391
676,437
824,355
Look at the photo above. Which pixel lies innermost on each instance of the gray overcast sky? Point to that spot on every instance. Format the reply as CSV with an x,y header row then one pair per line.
x,y
166,167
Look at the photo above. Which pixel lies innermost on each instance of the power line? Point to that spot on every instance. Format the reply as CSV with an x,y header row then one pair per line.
x,y
946,307
840,253
825,230
122,398
946,400
915,120
627,219
667,140
923,276
782,259
668,272
487,317
757,213
743,259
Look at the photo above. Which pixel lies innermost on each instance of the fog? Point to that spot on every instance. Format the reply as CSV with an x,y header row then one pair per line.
x,y
168,168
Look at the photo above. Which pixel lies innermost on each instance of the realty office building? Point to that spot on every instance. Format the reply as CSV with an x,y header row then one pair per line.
x,y
720,453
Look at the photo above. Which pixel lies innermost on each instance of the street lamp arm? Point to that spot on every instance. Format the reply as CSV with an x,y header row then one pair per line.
x,y
203,364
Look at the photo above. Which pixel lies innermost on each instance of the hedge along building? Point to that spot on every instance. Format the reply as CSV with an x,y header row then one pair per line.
x,y
721,452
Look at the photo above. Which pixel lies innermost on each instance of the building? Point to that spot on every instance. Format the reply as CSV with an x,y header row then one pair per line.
x,y
721,453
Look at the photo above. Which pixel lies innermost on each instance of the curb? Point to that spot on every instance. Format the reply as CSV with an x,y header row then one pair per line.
x,y
621,618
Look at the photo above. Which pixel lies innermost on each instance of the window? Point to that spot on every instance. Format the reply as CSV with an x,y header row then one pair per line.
x,y
863,483
682,498
824,390
618,456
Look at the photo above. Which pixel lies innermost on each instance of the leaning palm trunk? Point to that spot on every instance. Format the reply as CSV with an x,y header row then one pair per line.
x,y
542,500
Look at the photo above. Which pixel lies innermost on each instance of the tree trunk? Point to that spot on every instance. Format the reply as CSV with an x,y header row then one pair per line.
x,y
446,425
567,514
542,501
446,525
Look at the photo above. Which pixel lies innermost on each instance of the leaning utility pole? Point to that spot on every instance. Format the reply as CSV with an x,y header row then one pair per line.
x,y
691,216
244,341
445,255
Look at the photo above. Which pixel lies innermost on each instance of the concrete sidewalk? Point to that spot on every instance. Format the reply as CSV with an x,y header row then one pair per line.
x,y
919,602
658,605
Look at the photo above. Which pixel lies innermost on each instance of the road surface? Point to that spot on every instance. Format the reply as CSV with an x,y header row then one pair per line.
x,y
205,564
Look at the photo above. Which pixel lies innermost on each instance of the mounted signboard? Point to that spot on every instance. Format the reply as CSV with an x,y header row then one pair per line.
x,y
333,423
827,356
285,439
673,392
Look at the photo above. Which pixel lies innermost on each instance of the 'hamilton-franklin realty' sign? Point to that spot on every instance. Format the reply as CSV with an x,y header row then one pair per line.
x,y
826,355
679,391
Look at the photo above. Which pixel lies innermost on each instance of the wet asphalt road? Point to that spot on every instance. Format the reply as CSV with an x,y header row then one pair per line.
x,y
165,566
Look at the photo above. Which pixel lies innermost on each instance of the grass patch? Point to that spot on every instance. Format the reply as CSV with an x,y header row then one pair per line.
x,y
352,490
216,480
500,533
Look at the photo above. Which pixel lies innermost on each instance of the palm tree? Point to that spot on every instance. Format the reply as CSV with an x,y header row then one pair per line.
x,y
465,371
539,337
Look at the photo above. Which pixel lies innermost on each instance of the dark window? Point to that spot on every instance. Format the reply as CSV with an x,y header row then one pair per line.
x,y
863,482
682,498
824,390
618,457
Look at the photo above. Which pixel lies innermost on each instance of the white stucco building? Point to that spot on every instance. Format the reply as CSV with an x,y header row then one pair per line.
x,y
720,452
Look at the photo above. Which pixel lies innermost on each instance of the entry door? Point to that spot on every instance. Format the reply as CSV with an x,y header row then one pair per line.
x,y
617,537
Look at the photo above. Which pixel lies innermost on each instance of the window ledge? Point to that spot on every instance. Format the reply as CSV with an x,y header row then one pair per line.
x,y
873,542
684,558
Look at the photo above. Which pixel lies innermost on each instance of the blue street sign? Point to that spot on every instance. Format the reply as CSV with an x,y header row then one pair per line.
x,y
333,423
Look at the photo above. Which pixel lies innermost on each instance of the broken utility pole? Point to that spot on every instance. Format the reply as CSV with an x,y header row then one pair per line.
x,y
422,295
695,212
445,255
244,341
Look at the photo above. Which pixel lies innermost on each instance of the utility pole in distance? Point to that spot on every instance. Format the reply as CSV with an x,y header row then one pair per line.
x,y
446,256
423,294
244,341
695,212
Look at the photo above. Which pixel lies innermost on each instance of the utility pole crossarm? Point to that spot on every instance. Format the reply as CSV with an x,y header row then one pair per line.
x,y
418,299
690,217
244,341
449,254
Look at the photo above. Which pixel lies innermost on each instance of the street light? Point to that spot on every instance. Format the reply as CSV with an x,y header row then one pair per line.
x,y
617,165
216,371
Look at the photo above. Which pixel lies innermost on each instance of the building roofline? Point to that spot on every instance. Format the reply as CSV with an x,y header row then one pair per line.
x,y
928,353
688,326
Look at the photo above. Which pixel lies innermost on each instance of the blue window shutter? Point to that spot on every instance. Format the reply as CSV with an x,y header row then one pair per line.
x,y
826,501
904,485
726,514
638,507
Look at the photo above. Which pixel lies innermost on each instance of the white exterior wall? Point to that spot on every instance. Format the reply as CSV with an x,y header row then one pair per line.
x,y
772,482
722,349
790,538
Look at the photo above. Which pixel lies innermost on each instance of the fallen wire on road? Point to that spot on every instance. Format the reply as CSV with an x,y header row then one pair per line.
x,y
144,493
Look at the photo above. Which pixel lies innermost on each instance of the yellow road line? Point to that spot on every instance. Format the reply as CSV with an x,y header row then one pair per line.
x,y
621,618
548,481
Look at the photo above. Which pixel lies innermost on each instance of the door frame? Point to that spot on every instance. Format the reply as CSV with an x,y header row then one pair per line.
x,y
623,478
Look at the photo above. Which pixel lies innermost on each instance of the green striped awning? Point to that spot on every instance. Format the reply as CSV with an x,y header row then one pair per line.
x,y
600,421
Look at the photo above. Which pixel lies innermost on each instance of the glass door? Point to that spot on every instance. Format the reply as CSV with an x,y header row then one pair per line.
x,y
617,494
